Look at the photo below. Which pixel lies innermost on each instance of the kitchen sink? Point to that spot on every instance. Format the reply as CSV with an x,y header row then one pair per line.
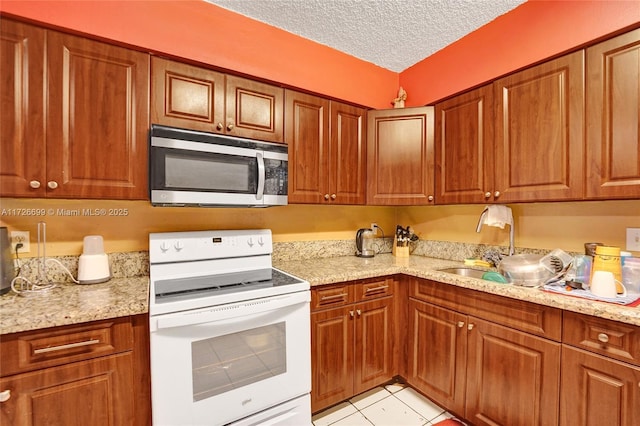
x,y
465,272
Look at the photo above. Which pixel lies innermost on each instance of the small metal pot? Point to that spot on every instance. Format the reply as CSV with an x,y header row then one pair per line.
x,y
524,269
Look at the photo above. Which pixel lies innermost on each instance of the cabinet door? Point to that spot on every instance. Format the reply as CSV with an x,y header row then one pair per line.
x,y
539,132
613,118
437,343
464,148
347,154
513,378
374,344
400,157
97,120
94,392
22,123
331,356
186,96
598,391
307,134
254,110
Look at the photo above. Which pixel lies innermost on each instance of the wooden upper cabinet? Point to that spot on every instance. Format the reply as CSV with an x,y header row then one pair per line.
x,y
464,148
186,96
400,156
75,116
198,98
254,110
613,118
22,123
326,150
539,136
97,119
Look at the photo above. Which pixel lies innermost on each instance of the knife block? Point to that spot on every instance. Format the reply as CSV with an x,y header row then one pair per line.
x,y
399,251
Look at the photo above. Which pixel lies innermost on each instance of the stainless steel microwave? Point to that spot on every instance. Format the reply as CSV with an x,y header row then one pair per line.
x,y
190,168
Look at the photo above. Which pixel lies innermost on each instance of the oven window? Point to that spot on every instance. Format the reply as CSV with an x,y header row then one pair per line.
x,y
234,360
220,172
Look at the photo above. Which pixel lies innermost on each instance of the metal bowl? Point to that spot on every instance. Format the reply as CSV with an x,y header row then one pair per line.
x,y
524,269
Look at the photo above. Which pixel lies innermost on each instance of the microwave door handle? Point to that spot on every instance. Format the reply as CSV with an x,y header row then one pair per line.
x,y
261,175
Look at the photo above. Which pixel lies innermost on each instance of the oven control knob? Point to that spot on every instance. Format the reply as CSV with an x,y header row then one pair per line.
x,y
250,242
164,246
260,241
178,245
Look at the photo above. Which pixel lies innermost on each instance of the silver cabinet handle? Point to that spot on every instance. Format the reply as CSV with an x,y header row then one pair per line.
x,y
496,194
470,326
68,346
460,324
35,184
372,289
332,297
326,196
52,184
5,395
430,198
230,126
359,312
487,194
333,196
351,314
603,338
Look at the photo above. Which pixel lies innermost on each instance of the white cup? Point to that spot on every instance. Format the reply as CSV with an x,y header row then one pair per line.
x,y
603,284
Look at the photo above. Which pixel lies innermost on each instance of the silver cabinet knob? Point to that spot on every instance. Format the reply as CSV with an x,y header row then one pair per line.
x,y
326,196
359,312
460,324
219,126
333,196
52,184
230,126
496,194
351,314
470,326
430,198
487,194
5,395
603,338
35,184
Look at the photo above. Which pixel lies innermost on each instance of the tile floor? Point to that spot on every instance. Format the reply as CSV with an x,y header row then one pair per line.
x,y
392,405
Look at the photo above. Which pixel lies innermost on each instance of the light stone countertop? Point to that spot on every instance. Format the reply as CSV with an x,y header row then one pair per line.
x,y
339,269
69,303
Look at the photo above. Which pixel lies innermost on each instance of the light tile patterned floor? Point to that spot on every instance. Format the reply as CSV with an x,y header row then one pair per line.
x,y
392,405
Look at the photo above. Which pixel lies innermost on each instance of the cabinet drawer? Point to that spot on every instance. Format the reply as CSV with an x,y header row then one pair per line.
x,y
374,289
610,338
331,295
46,348
524,316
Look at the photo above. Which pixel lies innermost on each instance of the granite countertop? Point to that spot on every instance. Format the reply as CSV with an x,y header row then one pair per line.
x,y
69,303
339,269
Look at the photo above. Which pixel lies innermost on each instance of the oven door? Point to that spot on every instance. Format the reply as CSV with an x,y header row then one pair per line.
x,y
215,365
217,173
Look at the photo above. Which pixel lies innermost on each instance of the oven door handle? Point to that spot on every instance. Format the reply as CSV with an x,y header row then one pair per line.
x,y
261,176
223,313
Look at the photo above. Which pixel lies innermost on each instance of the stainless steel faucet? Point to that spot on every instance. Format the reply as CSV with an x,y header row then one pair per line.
x,y
511,231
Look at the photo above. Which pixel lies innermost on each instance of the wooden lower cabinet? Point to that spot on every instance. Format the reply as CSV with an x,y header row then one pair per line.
x,y
94,392
512,377
352,350
487,373
94,373
597,390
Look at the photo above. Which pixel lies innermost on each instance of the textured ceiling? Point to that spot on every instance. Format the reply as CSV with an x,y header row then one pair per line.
x,y
394,34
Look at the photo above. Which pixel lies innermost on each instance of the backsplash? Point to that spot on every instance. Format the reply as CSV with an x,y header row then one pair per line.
x,y
136,264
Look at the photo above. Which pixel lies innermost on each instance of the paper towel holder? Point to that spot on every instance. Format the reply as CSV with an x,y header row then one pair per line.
x,y
481,221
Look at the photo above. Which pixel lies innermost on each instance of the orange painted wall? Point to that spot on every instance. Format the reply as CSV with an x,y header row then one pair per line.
x,y
532,32
209,34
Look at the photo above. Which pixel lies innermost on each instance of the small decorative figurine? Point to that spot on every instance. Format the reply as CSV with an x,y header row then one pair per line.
x,y
399,101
